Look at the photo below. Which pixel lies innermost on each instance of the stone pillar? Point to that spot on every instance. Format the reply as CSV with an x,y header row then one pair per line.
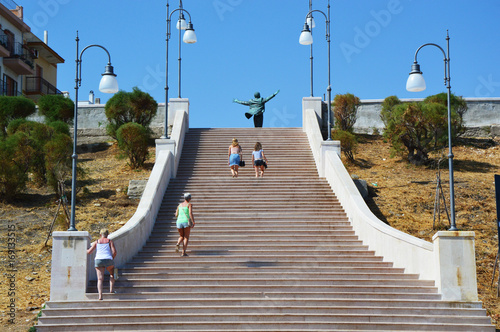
x,y
313,103
178,105
166,145
68,279
327,146
456,265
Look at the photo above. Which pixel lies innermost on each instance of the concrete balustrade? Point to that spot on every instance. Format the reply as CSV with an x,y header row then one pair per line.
x,y
71,267
449,260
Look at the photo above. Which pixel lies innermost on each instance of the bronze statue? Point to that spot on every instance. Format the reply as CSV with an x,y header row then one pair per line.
x,y
257,107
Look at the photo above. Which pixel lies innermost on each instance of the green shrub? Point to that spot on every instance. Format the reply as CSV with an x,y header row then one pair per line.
x,y
15,161
416,129
38,135
58,160
60,127
14,108
56,108
387,105
348,142
345,110
136,106
458,109
133,141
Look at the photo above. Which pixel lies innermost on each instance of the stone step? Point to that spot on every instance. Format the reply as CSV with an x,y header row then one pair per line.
x,y
265,317
299,326
253,252
225,309
155,292
254,268
253,226
276,281
209,243
207,263
267,254
270,258
129,275
282,233
275,301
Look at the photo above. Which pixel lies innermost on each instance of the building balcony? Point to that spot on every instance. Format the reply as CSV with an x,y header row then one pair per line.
x,y
20,60
35,85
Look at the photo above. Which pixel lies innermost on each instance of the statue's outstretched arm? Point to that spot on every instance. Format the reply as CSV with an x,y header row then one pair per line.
x,y
241,102
271,97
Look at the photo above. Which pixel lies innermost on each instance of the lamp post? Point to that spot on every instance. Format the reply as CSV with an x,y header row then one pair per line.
x,y
108,84
307,39
181,25
189,38
311,24
416,83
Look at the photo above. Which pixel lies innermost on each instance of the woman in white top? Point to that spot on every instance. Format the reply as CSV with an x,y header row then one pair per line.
x,y
234,157
105,253
259,160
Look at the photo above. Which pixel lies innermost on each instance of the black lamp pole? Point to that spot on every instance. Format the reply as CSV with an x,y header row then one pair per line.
x,y
107,89
419,85
190,32
306,32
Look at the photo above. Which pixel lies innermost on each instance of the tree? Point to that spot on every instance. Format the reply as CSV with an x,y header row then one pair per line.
x,y
417,128
56,108
133,140
345,110
458,106
136,106
348,142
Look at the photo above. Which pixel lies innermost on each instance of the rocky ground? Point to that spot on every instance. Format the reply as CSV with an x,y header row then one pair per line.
x,y
401,195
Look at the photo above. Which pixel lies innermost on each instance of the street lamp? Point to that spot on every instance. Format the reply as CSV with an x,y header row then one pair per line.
x,y
307,39
416,83
310,22
108,84
189,38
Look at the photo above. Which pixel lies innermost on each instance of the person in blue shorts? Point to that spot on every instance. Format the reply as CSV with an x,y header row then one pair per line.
x,y
234,157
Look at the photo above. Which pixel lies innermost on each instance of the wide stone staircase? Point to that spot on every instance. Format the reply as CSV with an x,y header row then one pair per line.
x,y
267,254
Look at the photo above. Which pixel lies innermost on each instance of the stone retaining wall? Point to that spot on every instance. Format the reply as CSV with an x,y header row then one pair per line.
x,y
482,118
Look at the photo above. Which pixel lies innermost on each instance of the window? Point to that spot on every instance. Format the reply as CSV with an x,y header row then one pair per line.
x,y
10,86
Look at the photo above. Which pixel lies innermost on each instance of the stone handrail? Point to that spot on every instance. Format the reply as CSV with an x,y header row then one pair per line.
x,y
130,238
455,276
313,131
72,267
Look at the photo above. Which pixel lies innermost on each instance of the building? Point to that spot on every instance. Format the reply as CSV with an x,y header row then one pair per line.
x,y
28,66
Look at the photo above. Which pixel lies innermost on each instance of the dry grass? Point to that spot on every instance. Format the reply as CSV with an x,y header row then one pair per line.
x,y
401,195
102,202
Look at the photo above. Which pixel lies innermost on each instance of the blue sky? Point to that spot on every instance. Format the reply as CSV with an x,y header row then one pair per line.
x,y
252,45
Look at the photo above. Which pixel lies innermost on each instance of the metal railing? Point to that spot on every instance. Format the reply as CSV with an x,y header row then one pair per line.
x,y
36,84
19,51
3,39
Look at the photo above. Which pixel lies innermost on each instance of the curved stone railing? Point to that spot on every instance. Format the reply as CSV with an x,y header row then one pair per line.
x,y
132,236
449,260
